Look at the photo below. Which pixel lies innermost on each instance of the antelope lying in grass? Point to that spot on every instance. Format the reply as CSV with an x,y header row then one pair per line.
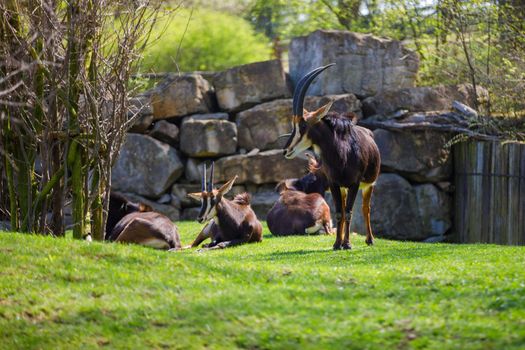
x,y
130,222
349,156
301,207
232,222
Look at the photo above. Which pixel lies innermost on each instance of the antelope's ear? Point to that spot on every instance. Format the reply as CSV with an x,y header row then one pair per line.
x,y
316,116
144,207
195,195
227,186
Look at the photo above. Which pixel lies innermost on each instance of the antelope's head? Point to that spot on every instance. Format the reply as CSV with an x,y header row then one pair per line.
x,y
303,120
210,197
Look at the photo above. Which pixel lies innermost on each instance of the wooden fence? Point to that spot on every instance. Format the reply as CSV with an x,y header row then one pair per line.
x,y
490,192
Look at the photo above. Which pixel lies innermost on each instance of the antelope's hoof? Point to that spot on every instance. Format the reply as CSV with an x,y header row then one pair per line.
x,y
370,241
337,246
346,246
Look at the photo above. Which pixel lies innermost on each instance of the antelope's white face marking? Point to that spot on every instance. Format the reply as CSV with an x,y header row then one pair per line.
x,y
208,207
298,141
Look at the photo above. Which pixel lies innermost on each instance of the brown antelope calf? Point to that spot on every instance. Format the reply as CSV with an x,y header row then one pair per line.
x,y
349,155
234,221
301,208
130,222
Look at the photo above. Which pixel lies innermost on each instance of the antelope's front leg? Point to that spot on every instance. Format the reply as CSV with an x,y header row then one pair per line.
x,y
350,199
367,195
203,235
338,202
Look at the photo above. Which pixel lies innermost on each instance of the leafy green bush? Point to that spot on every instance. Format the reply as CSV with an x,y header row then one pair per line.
x,y
213,41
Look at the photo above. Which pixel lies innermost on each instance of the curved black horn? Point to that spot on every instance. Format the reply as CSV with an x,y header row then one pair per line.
x,y
203,184
210,182
302,87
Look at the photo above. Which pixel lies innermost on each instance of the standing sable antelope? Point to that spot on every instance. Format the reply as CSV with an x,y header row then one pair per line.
x,y
349,156
130,222
301,207
234,221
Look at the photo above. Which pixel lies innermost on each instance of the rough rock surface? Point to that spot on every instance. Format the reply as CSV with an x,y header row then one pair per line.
x,y
190,214
393,213
365,64
244,86
405,212
170,211
142,124
259,168
218,116
262,202
418,155
146,167
178,96
208,137
260,126
435,208
421,99
165,132
181,191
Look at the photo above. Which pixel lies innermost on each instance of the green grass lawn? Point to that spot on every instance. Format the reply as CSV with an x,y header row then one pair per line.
x,y
283,293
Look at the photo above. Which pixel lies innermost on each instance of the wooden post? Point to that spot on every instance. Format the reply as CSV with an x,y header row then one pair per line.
x,y
490,192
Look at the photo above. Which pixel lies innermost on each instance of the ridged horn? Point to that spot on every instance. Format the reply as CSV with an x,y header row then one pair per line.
x,y
203,183
210,182
302,87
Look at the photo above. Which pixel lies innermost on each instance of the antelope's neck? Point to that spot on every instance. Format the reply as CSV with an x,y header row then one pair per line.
x,y
324,142
228,214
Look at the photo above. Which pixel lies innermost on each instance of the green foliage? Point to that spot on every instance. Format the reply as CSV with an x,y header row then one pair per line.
x,y
212,41
283,293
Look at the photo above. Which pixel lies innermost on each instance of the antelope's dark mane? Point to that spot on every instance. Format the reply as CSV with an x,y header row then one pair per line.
x,y
340,123
242,199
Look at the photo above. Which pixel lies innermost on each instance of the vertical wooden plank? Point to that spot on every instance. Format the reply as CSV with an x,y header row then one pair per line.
x,y
506,195
512,193
459,195
521,219
484,197
496,169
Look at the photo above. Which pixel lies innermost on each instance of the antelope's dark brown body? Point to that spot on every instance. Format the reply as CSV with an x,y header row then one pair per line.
x,y
349,153
301,208
350,158
147,228
295,212
231,222
130,222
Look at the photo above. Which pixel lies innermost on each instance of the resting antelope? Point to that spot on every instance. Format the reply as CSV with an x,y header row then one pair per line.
x,y
234,221
349,156
130,222
301,207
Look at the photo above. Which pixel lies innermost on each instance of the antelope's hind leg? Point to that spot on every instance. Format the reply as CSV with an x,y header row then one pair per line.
x,y
350,199
367,196
338,195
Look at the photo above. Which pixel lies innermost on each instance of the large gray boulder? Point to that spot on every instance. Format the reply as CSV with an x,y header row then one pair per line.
x,y
178,96
208,137
404,212
435,210
180,191
244,86
420,156
140,109
262,202
169,210
260,126
165,132
422,99
259,168
193,170
365,64
146,167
